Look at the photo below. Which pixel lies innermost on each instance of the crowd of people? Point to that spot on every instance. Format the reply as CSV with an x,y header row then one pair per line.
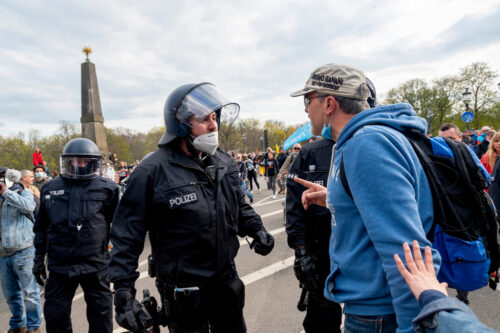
x,y
189,196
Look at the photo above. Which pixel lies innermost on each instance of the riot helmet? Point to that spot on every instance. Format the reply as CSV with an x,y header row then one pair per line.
x,y
196,100
80,159
372,97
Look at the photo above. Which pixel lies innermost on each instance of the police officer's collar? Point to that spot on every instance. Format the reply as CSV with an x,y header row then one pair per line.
x,y
178,156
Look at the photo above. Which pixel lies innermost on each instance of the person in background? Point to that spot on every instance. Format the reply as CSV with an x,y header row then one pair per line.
x,y
109,172
113,159
242,174
281,158
482,147
72,233
123,173
37,157
54,174
251,171
449,130
439,313
40,177
488,159
27,182
16,255
288,164
271,172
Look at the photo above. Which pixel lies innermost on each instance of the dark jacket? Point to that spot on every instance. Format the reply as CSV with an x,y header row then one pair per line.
x,y
193,221
39,185
494,189
281,159
311,228
72,226
482,148
242,170
272,167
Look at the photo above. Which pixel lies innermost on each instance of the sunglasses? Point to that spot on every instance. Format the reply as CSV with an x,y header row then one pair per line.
x,y
307,99
296,148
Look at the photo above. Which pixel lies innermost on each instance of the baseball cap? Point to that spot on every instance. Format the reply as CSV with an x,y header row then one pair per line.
x,y
337,80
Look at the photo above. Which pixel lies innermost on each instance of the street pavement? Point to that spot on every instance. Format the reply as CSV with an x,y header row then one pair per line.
x,y
271,288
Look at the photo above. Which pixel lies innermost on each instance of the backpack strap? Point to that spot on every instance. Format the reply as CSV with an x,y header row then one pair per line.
x,y
343,177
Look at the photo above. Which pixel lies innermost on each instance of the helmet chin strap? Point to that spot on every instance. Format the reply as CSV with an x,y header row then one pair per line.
x,y
195,152
189,144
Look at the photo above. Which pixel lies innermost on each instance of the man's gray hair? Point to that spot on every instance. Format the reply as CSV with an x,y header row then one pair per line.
x,y
354,106
25,173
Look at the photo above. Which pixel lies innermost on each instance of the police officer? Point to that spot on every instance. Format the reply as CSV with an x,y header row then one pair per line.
x,y
187,195
309,232
72,229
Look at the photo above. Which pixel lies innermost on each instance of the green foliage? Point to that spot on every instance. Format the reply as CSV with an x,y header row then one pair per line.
x,y
129,145
118,145
276,132
442,100
479,78
15,153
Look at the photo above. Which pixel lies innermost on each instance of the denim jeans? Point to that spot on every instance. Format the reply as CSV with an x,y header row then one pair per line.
x,y
20,287
243,185
370,324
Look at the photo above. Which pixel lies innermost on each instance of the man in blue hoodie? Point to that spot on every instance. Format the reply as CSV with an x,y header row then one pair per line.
x,y
391,200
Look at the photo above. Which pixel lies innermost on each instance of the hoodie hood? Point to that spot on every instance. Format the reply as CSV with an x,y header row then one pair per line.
x,y
399,116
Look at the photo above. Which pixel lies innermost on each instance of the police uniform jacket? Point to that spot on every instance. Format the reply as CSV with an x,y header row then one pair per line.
x,y
309,228
73,223
193,218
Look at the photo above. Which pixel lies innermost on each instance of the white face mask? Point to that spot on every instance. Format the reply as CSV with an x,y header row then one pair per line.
x,y
207,143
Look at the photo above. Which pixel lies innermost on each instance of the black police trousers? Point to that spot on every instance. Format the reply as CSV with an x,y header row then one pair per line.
x,y
59,292
322,315
216,308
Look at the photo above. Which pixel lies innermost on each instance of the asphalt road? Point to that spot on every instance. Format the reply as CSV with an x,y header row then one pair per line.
x,y
271,288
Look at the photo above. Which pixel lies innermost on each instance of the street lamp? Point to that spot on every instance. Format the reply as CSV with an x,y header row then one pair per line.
x,y
467,96
244,139
261,143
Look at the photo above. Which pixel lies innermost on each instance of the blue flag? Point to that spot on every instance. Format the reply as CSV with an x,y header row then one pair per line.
x,y
302,134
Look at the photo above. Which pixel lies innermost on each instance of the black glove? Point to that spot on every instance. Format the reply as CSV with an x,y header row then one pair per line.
x,y
306,269
263,242
39,270
127,310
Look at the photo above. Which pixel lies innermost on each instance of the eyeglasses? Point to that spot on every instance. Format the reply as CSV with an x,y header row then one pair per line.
x,y
307,99
296,148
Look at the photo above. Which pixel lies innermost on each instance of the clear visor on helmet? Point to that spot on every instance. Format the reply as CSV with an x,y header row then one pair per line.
x,y
202,101
80,167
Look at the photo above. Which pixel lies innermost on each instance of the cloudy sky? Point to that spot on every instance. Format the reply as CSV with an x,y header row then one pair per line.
x,y
256,52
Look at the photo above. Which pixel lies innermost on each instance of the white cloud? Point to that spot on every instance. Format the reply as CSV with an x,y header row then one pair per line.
x,y
257,52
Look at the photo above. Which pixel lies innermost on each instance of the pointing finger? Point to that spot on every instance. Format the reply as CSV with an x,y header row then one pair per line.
x,y
305,183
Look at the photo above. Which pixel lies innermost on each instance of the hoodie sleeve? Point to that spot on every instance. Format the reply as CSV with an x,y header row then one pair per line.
x,y
388,186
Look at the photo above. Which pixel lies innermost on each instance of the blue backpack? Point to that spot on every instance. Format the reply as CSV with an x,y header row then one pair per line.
x,y
465,227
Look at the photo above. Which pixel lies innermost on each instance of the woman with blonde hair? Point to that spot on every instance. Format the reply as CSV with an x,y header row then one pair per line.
x,y
491,154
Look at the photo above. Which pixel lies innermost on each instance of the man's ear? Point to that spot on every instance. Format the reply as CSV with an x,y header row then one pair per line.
x,y
331,105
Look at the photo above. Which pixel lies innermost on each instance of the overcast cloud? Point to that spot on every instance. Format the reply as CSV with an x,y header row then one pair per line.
x,y
256,52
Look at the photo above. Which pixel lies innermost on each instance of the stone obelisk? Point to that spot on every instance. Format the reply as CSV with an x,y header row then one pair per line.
x,y
92,119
